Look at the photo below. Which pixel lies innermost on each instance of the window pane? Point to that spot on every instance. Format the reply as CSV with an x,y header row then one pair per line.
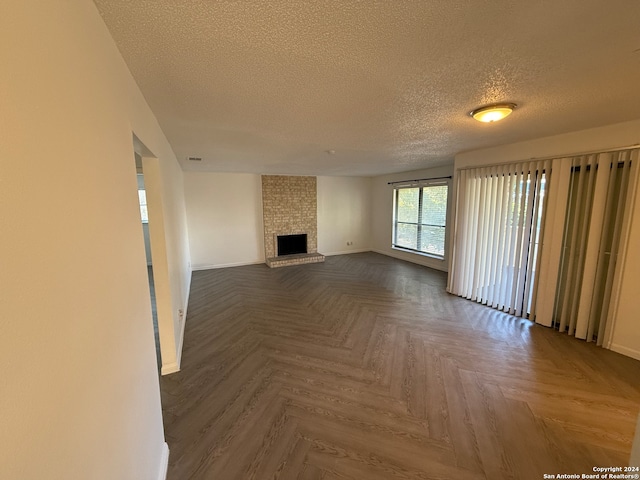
x,y
434,205
144,214
432,240
142,197
408,204
407,235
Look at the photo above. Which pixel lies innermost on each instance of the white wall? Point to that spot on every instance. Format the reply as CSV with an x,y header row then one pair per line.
x,y
224,214
344,215
593,139
626,334
382,215
80,394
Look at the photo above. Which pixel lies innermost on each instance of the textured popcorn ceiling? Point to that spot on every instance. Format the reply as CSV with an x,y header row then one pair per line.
x,y
270,86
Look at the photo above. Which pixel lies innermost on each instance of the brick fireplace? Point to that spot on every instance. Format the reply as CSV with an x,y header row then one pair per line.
x,y
289,207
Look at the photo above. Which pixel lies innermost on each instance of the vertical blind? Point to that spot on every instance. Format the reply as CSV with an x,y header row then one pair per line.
x,y
499,220
599,186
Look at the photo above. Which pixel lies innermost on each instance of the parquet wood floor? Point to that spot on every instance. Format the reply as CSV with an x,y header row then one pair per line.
x,y
363,367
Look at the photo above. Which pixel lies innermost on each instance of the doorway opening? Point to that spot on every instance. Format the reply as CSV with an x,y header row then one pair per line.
x,y
167,319
144,218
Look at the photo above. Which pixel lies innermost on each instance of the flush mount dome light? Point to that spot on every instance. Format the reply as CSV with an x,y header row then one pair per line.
x,y
493,113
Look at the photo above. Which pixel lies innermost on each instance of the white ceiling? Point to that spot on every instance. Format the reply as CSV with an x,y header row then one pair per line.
x,y
270,86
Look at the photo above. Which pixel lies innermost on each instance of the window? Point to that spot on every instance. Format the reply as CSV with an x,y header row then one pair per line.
x,y
420,218
142,198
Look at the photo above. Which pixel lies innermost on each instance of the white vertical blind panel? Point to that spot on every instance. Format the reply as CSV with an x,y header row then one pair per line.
x,y
592,246
491,235
470,227
621,240
604,276
487,234
585,220
460,232
506,233
534,258
496,259
551,252
481,238
596,227
516,237
578,215
525,226
572,234
497,210
459,252
613,253
533,267
452,230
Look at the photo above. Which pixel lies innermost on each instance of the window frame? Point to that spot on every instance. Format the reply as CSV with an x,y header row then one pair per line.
x,y
419,223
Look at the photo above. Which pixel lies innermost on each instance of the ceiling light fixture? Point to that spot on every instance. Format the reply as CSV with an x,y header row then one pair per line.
x,y
493,113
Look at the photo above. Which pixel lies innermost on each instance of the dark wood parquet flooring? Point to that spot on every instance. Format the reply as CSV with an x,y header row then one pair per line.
x,y
363,367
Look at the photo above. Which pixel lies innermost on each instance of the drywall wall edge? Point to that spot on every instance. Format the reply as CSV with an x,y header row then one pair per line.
x,y
185,307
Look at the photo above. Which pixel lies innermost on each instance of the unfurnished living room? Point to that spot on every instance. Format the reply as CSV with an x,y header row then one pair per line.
x,y
290,239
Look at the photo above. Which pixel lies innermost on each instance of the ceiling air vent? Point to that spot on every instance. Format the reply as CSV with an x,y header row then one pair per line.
x,y
194,159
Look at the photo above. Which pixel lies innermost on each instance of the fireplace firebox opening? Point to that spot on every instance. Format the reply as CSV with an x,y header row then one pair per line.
x,y
292,244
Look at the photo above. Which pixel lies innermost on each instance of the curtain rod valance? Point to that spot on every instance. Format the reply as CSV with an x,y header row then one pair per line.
x,y
419,180
553,157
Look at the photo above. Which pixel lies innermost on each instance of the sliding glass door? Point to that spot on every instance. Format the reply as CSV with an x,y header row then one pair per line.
x,y
498,229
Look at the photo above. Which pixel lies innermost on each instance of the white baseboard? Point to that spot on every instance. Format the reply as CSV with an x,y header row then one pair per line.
x,y
415,258
629,352
227,265
164,462
346,252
